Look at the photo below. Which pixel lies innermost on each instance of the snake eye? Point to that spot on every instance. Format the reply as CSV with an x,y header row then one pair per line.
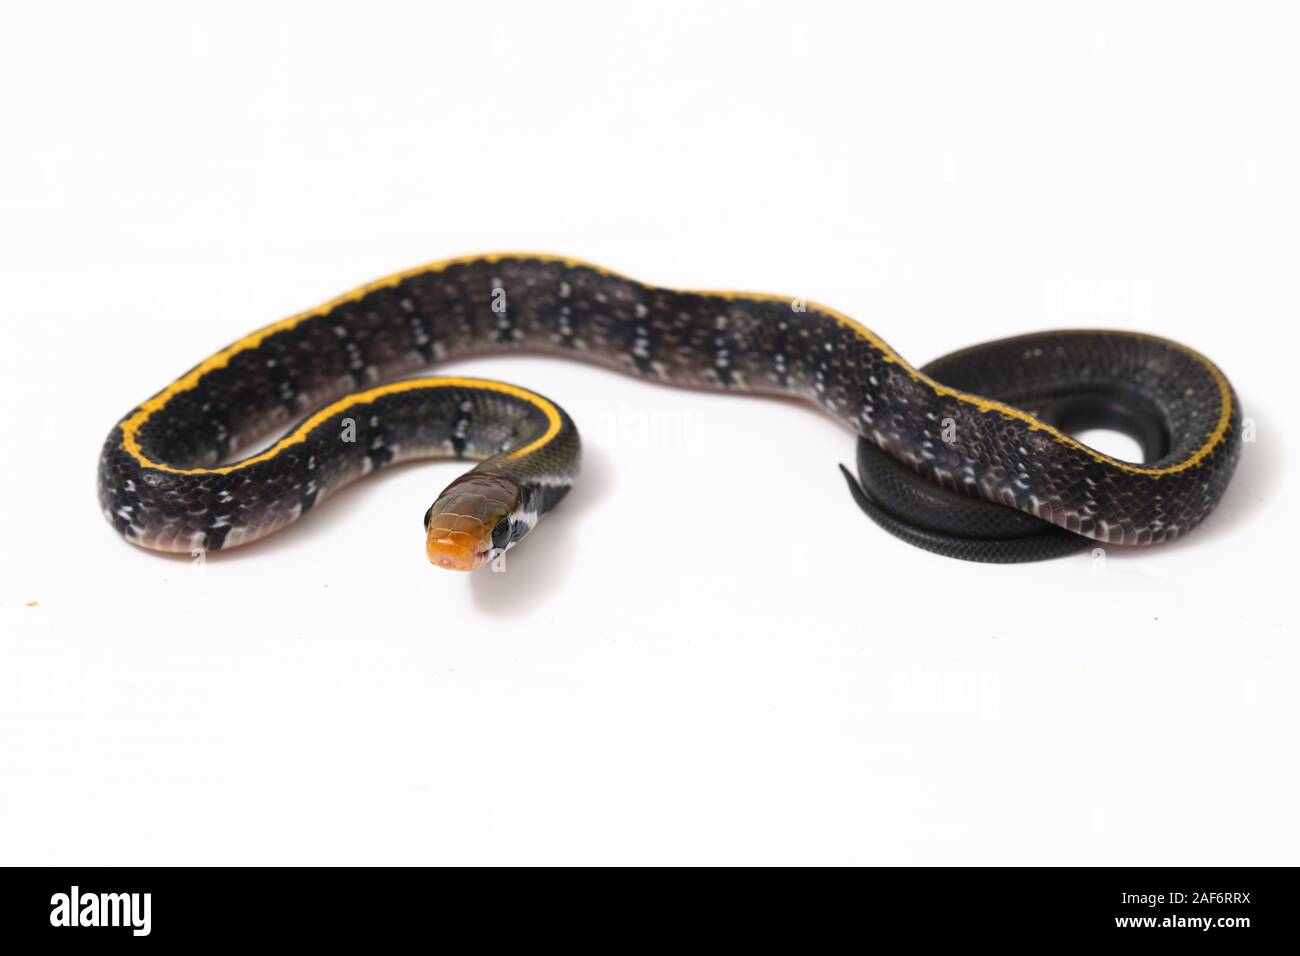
x,y
502,533
428,516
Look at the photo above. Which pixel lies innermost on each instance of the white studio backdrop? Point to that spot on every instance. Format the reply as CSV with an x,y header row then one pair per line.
x,y
708,654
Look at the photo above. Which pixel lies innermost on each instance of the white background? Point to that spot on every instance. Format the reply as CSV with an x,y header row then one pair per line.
x,y
708,655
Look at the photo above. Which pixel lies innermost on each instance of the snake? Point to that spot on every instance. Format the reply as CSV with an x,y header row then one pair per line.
x,y
971,456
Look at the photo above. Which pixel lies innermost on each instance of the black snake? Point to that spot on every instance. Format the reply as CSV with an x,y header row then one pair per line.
x,y
969,456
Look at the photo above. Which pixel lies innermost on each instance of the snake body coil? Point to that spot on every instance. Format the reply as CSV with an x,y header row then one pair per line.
x,y
990,423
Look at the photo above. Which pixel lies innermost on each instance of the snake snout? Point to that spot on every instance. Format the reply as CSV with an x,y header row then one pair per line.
x,y
459,547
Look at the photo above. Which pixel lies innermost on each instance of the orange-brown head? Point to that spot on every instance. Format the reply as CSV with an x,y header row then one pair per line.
x,y
471,522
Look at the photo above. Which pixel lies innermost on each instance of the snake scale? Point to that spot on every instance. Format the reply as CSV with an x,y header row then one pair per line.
x,y
969,456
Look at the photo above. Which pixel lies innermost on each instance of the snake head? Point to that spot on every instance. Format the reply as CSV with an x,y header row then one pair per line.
x,y
473,521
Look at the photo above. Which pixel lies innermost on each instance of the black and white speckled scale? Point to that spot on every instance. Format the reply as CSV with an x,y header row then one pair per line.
x,y
164,482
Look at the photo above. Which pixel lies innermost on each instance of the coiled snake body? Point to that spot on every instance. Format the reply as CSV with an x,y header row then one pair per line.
x,y
969,456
